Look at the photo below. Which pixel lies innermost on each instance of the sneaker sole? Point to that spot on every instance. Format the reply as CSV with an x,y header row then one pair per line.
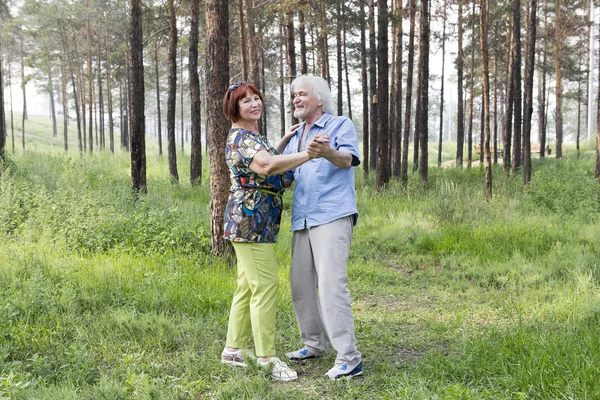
x,y
301,358
233,363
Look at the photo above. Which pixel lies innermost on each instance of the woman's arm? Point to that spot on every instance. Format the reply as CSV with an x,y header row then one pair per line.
x,y
264,163
283,142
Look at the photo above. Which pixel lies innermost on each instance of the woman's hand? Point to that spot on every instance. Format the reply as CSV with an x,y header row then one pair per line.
x,y
292,131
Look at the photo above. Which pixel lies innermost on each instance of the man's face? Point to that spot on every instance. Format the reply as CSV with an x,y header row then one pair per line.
x,y
306,104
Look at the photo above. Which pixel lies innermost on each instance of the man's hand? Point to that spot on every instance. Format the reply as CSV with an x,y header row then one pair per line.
x,y
319,147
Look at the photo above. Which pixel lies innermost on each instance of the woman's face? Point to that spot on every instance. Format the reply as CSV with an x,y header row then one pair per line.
x,y
250,107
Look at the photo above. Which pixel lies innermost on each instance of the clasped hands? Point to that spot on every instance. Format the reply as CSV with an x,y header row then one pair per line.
x,y
319,147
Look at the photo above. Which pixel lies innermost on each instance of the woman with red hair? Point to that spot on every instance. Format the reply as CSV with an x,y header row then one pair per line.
x,y
252,220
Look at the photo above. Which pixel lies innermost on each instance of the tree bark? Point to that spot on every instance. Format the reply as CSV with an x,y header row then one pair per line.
x,y
517,115
338,47
302,34
172,95
281,82
217,76
136,99
383,172
409,79
67,54
507,134
397,100
439,160
373,88
365,87
558,38
324,44
65,106
422,131
90,81
531,34
24,116
291,57
82,94
483,41
471,94
100,99
345,51
460,128
243,41
196,104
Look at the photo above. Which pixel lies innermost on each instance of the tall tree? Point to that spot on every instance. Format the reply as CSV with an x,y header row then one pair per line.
x,y
136,99
483,41
530,60
460,129
542,122
409,88
396,133
365,86
439,160
373,88
338,47
471,90
195,114
422,118
291,56
345,51
172,95
2,114
23,83
383,172
89,78
217,76
243,46
109,98
558,47
302,34
507,134
516,58
158,113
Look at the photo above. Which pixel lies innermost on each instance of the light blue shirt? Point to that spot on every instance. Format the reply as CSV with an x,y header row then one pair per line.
x,y
323,192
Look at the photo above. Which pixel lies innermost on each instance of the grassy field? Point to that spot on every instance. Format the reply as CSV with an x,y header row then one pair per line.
x,y
103,296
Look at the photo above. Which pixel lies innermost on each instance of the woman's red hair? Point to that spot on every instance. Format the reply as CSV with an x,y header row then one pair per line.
x,y
231,108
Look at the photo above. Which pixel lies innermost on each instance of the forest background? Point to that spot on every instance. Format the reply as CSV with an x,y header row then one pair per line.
x,y
475,281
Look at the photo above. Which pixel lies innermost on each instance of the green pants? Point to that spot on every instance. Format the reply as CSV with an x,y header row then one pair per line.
x,y
254,300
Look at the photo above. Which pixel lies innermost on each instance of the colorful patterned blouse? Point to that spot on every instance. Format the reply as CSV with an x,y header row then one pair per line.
x,y
254,207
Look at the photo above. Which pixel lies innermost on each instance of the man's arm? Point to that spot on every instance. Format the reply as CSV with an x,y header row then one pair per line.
x,y
318,148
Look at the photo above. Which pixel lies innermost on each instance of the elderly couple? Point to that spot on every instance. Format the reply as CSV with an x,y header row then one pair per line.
x,y
319,155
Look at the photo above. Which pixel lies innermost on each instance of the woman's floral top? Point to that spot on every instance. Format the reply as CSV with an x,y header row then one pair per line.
x,y
254,207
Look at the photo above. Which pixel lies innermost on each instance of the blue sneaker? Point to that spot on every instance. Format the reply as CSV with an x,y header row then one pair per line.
x,y
302,354
340,370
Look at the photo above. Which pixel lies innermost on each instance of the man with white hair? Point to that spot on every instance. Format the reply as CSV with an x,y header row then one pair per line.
x,y
323,216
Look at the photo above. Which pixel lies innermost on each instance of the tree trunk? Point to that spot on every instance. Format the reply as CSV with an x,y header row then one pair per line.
x,y
383,172
24,116
409,78
217,76
365,87
597,170
483,41
82,94
302,34
65,46
111,132
471,94
495,138
2,114
397,100
12,126
345,51
558,38
373,88
90,82
158,112
52,105
531,31
460,128
181,95
578,108
439,160
324,44
172,93
100,99
281,83
243,41
291,56
195,111
507,134
517,115
338,47
65,105
422,131
252,47
136,100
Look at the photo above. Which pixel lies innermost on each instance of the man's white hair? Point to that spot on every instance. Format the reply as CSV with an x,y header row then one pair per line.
x,y
320,89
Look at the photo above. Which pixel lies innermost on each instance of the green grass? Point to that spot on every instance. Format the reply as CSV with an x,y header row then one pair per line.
x,y
103,296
